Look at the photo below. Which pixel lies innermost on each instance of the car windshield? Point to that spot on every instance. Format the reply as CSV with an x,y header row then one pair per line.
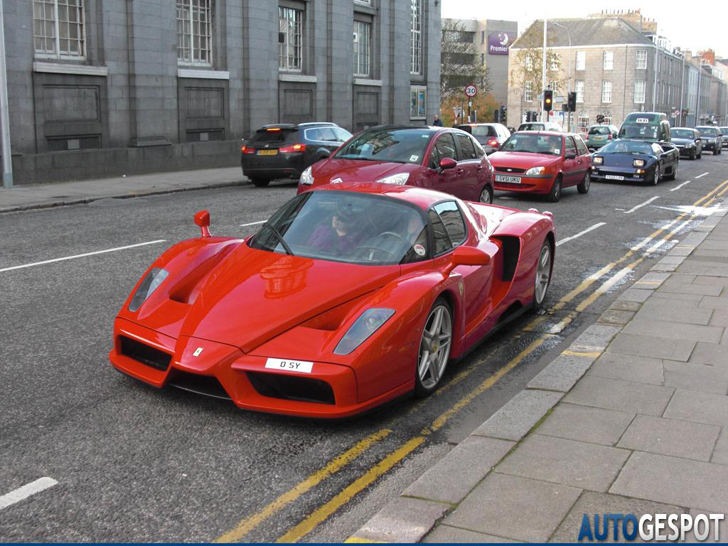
x,y
708,131
346,227
534,144
626,147
682,133
599,131
392,145
647,132
531,127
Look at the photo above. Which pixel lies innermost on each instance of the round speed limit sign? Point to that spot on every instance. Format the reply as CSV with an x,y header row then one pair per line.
x,y
471,91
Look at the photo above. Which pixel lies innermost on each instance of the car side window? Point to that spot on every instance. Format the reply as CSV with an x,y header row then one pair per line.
x,y
439,234
479,151
466,147
444,147
583,150
452,220
569,146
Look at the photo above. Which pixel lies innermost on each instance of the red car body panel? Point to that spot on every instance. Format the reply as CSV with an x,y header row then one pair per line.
x,y
226,308
572,171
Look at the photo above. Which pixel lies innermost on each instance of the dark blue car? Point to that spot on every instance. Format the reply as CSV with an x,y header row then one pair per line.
x,y
635,161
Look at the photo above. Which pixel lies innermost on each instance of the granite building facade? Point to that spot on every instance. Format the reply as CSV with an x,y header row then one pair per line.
x,y
108,87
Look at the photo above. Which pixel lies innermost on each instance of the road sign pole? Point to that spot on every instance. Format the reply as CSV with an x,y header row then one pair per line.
x,y
4,111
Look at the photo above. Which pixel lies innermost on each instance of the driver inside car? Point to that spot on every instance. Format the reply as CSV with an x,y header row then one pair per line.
x,y
339,237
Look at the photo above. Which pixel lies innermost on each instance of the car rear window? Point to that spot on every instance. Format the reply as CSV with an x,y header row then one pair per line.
x,y
599,131
484,130
273,136
531,127
682,133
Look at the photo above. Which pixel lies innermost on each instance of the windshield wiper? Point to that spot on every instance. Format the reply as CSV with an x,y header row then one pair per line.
x,y
279,237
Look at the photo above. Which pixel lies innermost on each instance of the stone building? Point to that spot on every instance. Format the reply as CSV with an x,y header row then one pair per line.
x,y
105,87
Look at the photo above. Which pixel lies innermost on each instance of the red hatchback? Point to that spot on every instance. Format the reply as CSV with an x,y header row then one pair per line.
x,y
542,162
442,159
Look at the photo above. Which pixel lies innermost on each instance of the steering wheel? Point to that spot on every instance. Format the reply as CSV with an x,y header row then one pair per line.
x,y
372,250
393,234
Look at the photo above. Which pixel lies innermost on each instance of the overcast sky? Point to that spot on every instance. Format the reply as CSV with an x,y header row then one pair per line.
x,y
689,25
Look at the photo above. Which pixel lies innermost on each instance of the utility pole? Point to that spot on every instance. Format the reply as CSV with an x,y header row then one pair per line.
x,y
4,111
543,69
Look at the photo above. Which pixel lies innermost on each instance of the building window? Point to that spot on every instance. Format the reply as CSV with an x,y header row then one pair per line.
x,y
555,62
608,60
642,59
482,59
606,91
418,102
528,92
194,32
58,28
583,122
529,63
640,87
554,86
416,38
290,38
607,116
579,88
362,49
581,60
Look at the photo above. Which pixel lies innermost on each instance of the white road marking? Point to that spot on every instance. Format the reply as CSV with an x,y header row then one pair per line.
x,y
630,211
681,185
22,493
587,230
82,255
701,175
253,223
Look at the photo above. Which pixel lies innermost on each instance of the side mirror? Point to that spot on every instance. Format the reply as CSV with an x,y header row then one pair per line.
x,y
448,163
202,219
570,155
467,255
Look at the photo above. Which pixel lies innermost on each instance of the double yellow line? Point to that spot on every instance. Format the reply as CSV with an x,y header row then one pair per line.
x,y
394,457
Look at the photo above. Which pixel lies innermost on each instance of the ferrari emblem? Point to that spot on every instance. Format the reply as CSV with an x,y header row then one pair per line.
x,y
197,351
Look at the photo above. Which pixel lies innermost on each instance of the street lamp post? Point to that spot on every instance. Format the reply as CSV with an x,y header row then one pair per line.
x,y
543,70
568,34
4,111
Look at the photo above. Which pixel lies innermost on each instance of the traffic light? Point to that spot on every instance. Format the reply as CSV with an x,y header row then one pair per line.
x,y
548,100
503,112
600,118
572,101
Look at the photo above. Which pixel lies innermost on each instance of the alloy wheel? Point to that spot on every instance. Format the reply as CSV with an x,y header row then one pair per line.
x,y
434,347
543,274
486,196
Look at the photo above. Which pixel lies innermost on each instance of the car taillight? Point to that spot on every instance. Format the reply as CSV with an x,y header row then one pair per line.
x,y
493,142
294,148
609,136
247,150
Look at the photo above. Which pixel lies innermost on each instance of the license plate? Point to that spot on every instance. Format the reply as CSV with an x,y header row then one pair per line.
x,y
614,177
509,179
289,365
267,152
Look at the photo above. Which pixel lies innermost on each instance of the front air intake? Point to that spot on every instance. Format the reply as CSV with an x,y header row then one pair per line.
x,y
289,387
149,356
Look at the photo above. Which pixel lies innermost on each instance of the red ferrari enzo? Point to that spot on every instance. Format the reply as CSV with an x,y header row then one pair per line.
x,y
350,295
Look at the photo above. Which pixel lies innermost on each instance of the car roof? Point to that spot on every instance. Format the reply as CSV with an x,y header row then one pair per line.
x,y
547,133
421,197
292,126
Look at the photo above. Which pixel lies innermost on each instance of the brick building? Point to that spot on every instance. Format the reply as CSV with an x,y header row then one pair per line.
x,y
104,87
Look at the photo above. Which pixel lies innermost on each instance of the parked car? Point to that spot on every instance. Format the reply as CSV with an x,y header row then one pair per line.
x,y
438,158
304,320
599,135
649,126
490,135
543,163
285,150
540,126
712,139
635,161
688,141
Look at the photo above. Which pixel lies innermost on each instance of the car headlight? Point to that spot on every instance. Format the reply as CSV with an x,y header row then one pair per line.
x,y
535,171
638,163
369,322
150,283
598,160
396,179
306,178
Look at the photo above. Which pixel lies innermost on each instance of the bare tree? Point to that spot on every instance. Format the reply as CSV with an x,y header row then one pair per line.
x,y
461,64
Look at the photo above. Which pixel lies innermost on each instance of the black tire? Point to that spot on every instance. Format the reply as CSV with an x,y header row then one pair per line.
x,y
542,279
655,177
486,195
555,193
428,385
673,174
585,184
260,182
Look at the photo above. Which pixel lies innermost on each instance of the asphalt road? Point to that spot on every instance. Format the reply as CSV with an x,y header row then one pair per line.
x,y
136,464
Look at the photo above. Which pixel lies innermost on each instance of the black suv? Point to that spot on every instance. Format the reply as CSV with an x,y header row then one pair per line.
x,y
285,150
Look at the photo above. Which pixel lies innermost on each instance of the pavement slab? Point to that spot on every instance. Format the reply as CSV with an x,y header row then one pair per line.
x,y
518,415
670,437
652,346
557,460
693,484
699,407
513,507
585,424
696,377
673,330
635,295
712,302
683,288
668,312
403,520
455,535
709,353
720,452
619,395
638,369
563,373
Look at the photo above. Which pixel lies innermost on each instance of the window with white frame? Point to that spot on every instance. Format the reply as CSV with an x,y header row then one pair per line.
x,y
607,118
290,39
416,37
194,32
418,102
642,59
579,88
59,28
528,92
608,60
555,62
362,48
581,60
529,63
606,91
640,89
554,86
583,121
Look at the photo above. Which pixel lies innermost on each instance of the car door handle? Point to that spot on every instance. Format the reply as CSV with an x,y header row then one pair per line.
x,y
460,170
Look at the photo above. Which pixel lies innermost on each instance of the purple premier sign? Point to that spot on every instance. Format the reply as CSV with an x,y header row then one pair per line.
x,y
498,43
